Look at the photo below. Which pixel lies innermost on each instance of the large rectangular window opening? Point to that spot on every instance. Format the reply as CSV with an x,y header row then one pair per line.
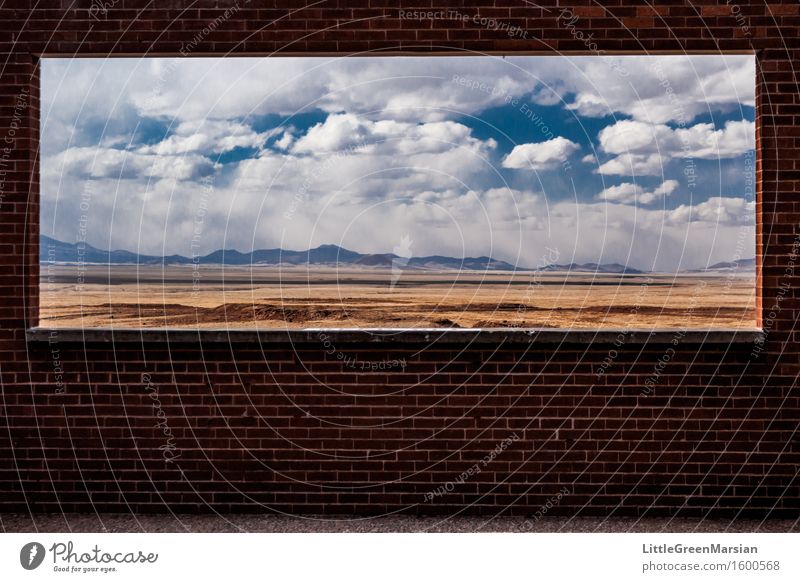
x,y
399,192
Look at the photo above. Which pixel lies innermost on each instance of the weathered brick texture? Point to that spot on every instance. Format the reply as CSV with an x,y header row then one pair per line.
x,y
293,429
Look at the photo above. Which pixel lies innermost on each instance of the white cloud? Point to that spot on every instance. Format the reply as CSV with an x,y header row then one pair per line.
x,y
628,193
334,134
209,136
286,140
698,141
629,136
544,155
99,162
348,132
666,188
633,165
727,211
655,89
661,89
704,142
644,148
402,88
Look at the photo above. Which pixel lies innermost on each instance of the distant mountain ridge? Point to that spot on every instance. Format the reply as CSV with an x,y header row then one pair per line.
x,y
738,265
52,250
594,268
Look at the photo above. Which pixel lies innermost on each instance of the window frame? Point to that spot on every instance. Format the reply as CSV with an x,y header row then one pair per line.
x,y
491,336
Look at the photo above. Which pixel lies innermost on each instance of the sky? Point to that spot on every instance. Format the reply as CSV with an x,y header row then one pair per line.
x,y
646,161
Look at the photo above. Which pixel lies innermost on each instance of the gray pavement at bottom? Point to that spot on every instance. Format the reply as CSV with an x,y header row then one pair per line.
x,y
271,523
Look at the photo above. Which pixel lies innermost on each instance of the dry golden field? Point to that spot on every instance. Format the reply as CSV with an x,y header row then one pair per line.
x,y
295,297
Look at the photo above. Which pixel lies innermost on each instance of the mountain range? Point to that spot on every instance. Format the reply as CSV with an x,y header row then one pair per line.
x,y
738,265
52,250
56,251
594,268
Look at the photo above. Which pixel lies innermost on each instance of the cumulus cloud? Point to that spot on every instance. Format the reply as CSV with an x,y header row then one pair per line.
x,y
209,136
544,155
655,89
718,210
99,162
286,140
662,89
644,148
401,88
698,141
628,193
348,132
704,142
336,133
633,165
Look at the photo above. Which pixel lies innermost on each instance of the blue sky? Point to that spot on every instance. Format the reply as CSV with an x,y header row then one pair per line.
x,y
646,161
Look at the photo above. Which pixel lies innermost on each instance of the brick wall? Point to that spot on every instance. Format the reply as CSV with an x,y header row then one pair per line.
x,y
290,428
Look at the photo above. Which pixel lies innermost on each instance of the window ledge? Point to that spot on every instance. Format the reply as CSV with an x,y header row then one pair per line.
x,y
395,336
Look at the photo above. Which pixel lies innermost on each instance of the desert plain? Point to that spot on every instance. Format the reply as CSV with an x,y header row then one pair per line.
x,y
261,297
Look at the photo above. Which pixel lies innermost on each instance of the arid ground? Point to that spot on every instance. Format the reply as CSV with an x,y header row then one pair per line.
x,y
295,297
